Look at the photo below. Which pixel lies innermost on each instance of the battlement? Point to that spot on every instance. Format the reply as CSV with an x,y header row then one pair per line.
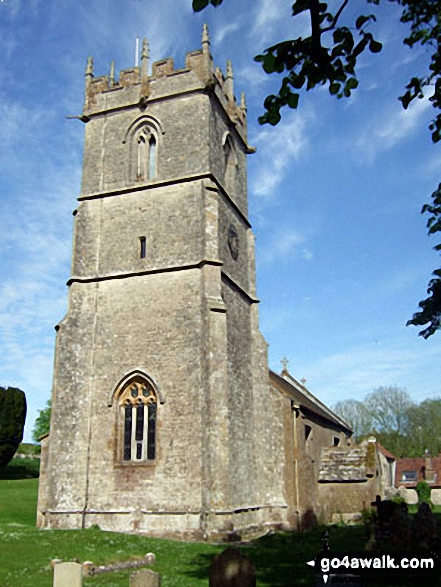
x,y
136,86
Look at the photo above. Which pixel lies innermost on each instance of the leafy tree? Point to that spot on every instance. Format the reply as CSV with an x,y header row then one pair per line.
x,y
386,413
356,414
42,423
12,421
389,409
328,57
425,428
398,444
423,490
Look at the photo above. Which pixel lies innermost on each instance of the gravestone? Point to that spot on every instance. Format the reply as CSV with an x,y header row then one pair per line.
x,y
232,568
400,535
145,578
68,575
386,511
424,528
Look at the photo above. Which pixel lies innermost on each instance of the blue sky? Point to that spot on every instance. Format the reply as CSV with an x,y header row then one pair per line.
x,y
335,190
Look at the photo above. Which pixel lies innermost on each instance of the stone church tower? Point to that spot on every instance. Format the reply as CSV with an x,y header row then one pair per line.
x,y
162,416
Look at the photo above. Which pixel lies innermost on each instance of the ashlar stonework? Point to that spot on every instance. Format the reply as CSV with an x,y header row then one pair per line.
x,y
164,419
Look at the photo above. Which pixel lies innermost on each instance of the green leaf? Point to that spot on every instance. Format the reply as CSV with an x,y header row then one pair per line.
x,y
273,118
352,83
300,6
361,20
334,88
269,63
360,47
406,100
293,100
216,3
271,101
296,81
199,5
375,46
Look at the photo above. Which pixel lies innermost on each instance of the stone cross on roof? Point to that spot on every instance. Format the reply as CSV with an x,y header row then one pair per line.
x,y
284,362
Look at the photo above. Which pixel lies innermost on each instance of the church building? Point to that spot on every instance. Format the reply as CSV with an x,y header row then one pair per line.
x,y
165,417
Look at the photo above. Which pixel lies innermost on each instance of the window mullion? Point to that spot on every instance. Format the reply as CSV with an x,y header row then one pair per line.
x,y
145,433
134,433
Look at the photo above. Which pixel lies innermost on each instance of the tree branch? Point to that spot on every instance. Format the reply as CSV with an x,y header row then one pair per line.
x,y
336,17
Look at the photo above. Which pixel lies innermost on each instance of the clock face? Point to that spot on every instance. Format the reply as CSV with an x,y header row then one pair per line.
x,y
233,242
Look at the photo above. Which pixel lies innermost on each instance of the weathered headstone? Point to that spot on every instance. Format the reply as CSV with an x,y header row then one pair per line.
x,y
386,511
68,575
424,528
232,568
145,578
400,529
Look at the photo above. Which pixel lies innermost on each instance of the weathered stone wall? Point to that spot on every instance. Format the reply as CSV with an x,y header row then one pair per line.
x,y
183,317
109,156
322,434
169,217
349,479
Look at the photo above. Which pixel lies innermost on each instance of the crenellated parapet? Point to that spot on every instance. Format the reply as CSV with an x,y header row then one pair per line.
x,y
138,86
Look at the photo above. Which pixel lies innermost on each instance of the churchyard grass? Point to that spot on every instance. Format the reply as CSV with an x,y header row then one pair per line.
x,y
25,552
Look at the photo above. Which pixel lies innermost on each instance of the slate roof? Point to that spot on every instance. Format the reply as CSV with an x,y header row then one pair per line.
x,y
302,396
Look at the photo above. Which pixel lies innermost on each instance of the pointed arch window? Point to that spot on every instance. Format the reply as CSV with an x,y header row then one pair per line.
x,y
138,410
230,161
146,154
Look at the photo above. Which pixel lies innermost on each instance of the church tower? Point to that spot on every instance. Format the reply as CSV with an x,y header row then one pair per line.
x,y
163,420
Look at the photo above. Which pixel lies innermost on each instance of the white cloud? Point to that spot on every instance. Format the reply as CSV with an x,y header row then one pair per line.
x,y
35,257
273,22
356,371
284,244
225,30
277,147
394,127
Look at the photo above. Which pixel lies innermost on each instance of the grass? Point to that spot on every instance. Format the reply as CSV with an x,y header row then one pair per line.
x,y
26,552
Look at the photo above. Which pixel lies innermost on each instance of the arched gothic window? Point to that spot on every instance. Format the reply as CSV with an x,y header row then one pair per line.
x,y
145,154
230,159
138,408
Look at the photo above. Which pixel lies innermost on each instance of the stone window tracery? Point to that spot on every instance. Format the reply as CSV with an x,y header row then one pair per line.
x,y
146,154
138,410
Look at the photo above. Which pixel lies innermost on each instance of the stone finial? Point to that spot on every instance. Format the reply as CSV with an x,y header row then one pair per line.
x,y
145,49
228,85
229,70
284,362
205,39
112,74
243,103
89,67
144,59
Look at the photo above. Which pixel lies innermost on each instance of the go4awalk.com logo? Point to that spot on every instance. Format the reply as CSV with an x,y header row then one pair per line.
x,y
334,567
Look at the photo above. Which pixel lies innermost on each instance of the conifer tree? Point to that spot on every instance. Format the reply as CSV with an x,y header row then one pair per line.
x,y
12,420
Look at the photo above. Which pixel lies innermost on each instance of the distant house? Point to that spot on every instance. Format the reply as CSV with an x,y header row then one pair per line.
x,y
410,471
